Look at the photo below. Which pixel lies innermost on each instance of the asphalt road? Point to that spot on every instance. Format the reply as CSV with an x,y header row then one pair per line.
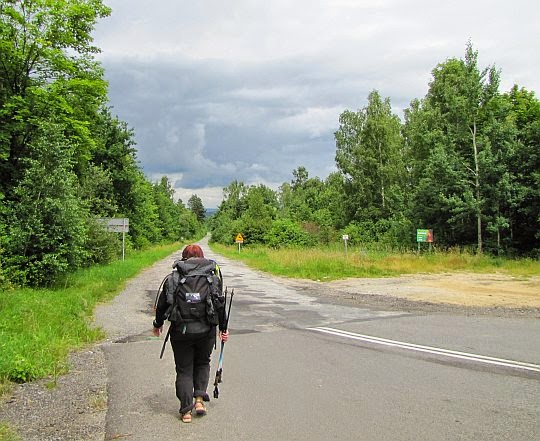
x,y
298,367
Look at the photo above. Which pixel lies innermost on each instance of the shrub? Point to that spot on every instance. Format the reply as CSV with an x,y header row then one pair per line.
x,y
285,232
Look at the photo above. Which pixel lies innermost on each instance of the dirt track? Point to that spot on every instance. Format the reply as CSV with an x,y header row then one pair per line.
x,y
467,289
454,293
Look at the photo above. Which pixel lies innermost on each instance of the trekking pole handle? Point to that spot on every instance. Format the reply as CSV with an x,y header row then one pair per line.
x,y
229,311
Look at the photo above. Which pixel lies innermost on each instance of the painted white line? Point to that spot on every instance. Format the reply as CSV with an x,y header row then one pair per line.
x,y
430,349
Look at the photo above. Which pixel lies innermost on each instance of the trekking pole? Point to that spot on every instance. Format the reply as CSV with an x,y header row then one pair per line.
x,y
165,342
219,370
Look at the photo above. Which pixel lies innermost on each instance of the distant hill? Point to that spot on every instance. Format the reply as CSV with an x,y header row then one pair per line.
x,y
210,211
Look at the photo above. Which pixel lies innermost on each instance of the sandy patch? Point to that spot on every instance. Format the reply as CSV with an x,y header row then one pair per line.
x,y
468,289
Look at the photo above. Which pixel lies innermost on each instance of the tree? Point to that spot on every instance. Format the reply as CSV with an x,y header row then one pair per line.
x,y
457,122
46,69
224,225
234,199
246,210
196,206
334,199
64,159
524,170
115,153
47,221
168,212
461,93
300,177
369,155
261,206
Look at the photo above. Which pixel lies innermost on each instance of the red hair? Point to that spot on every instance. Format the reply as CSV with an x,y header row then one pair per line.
x,y
192,251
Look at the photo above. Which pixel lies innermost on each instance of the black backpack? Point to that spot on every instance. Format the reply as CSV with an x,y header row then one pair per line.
x,y
194,295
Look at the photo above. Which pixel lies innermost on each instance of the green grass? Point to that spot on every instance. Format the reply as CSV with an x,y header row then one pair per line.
x,y
39,327
332,263
7,434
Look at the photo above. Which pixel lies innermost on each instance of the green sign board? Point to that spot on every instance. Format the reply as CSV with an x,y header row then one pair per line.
x,y
424,236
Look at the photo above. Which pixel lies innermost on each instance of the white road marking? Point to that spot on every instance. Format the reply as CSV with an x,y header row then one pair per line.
x,y
429,349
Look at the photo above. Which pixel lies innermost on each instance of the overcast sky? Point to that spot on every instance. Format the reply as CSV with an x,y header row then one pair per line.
x,y
245,90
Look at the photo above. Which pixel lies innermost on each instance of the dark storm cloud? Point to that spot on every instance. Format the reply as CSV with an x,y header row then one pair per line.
x,y
212,123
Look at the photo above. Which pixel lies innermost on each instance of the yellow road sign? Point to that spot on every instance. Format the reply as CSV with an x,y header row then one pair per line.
x,y
239,238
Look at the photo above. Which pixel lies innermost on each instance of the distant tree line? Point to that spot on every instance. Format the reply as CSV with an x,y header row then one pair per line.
x,y
64,159
465,162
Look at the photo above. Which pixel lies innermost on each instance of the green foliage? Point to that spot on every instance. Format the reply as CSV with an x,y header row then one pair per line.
x,y
285,233
521,210
64,159
46,69
465,163
38,327
101,246
46,220
196,206
395,233
224,229
174,220
166,209
369,154
8,434
247,210
361,232
464,146
256,220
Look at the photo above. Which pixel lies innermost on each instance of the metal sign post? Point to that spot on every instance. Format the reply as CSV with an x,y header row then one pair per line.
x,y
345,239
239,239
117,225
124,237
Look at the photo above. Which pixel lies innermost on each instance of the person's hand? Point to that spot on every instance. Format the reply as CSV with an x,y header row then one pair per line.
x,y
224,336
157,331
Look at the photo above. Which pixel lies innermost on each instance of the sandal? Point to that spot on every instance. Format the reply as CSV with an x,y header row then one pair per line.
x,y
186,417
199,407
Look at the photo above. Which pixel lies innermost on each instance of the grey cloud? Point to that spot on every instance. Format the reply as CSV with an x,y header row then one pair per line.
x,y
213,123
221,91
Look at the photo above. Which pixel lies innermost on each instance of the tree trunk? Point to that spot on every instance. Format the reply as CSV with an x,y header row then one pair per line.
x,y
477,190
381,175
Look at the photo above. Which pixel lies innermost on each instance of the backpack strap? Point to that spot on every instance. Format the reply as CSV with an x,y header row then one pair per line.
x,y
172,284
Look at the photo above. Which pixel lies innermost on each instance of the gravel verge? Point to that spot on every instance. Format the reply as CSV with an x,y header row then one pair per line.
x,y
73,409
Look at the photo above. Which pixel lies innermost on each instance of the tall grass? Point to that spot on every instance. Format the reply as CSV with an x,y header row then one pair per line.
x,y
38,327
333,263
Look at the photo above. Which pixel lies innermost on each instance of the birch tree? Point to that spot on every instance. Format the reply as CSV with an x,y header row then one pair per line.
x,y
369,155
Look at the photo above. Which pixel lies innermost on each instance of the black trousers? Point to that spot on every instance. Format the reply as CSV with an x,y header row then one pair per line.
x,y
192,359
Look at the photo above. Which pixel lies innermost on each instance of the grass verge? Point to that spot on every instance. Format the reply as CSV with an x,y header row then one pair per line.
x,y
39,327
331,264
7,434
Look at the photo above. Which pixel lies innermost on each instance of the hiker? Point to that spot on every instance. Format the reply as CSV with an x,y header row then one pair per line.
x,y
194,338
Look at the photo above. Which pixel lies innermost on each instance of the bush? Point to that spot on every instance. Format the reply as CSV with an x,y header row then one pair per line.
x,y
398,233
285,232
46,220
103,247
224,230
254,230
393,233
361,232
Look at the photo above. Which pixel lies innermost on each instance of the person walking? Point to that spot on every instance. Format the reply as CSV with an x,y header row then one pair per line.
x,y
194,319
